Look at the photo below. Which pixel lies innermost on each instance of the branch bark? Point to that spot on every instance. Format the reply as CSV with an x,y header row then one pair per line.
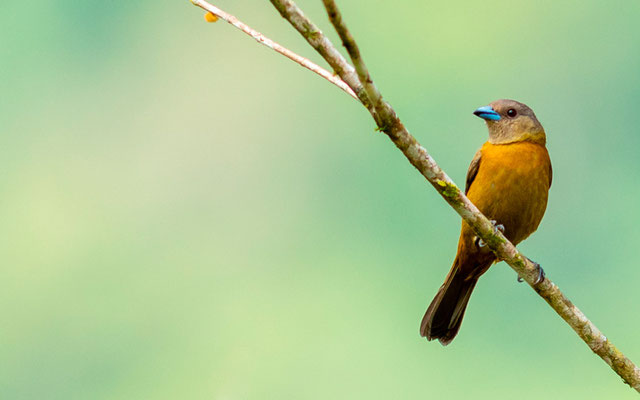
x,y
359,80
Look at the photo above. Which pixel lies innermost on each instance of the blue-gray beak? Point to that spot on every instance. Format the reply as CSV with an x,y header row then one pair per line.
x,y
488,113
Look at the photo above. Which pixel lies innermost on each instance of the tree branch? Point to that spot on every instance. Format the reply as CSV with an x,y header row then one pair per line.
x,y
386,119
275,46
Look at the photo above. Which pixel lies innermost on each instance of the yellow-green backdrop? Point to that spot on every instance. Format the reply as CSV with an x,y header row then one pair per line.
x,y
185,214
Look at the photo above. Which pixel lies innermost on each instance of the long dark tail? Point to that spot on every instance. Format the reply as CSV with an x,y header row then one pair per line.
x,y
444,315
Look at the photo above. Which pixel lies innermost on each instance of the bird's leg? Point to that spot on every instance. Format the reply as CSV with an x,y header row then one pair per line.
x,y
480,243
541,275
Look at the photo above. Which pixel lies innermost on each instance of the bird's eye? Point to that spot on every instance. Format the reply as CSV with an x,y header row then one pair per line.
x,y
511,112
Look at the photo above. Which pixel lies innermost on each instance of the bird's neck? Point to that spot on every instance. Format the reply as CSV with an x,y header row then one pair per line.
x,y
532,137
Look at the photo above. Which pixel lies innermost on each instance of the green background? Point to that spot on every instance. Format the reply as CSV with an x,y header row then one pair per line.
x,y
187,215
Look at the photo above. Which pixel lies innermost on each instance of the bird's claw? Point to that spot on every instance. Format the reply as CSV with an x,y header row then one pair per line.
x,y
498,226
541,274
480,243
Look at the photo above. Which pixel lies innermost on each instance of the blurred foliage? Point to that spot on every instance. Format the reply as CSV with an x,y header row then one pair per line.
x,y
186,214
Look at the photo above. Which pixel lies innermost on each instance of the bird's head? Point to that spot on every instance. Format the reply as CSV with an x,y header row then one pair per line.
x,y
510,121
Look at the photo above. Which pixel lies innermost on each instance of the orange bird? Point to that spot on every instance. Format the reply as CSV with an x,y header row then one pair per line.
x,y
508,180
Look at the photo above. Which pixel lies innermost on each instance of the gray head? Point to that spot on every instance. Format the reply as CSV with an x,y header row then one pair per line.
x,y
510,121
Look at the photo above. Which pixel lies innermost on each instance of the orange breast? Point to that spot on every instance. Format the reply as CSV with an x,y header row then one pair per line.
x,y
512,186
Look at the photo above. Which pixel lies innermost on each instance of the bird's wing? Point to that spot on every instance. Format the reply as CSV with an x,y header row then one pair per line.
x,y
550,174
473,170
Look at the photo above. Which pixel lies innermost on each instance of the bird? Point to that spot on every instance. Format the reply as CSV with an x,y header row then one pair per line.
x,y
508,180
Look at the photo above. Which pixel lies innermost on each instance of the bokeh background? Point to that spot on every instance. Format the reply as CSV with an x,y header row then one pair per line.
x,y
187,215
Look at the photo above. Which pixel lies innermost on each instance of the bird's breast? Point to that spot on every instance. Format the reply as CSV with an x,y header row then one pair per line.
x,y
512,186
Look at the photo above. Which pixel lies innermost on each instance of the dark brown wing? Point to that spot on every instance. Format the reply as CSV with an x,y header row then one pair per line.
x,y
473,170
550,174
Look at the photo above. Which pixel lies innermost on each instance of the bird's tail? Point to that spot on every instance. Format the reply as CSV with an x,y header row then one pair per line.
x,y
444,315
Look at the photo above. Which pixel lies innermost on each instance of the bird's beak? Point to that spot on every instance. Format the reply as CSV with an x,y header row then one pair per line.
x,y
488,113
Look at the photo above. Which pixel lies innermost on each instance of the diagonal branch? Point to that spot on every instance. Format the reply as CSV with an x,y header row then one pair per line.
x,y
275,46
387,120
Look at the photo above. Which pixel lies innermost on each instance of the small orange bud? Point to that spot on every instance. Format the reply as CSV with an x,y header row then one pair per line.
x,y
210,17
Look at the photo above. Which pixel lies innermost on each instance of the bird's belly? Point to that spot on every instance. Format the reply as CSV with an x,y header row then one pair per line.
x,y
514,197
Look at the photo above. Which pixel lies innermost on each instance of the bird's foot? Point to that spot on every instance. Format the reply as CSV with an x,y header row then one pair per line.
x,y
480,243
498,226
541,275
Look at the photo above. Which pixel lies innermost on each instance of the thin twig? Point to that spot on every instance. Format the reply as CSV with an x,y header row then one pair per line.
x,y
388,122
275,46
354,52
